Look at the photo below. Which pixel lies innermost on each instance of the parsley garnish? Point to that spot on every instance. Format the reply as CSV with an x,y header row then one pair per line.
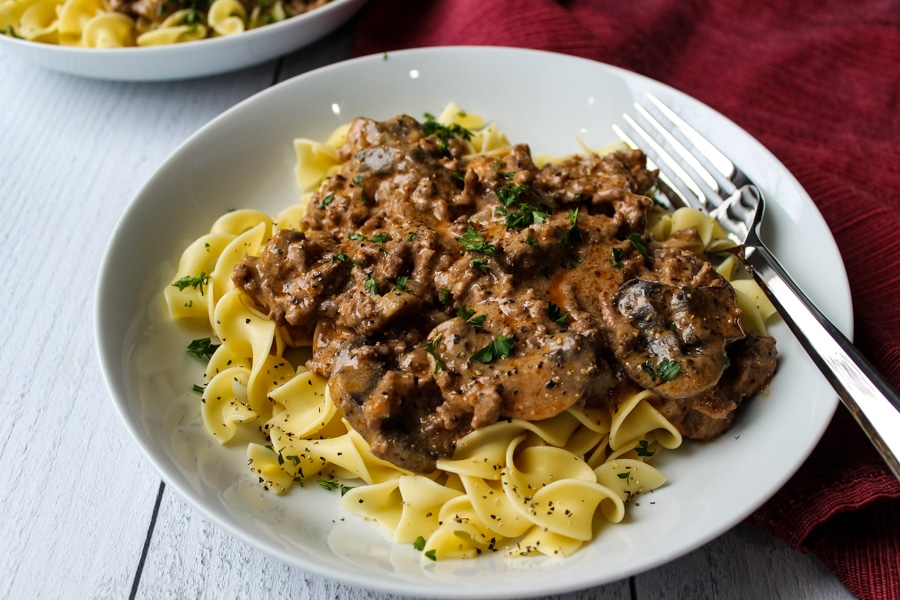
x,y
665,371
419,544
412,236
499,348
326,200
468,315
195,282
202,348
198,388
642,450
472,241
638,244
572,234
509,193
555,313
371,287
527,215
400,284
380,238
532,241
432,554
328,484
445,296
624,475
617,255
431,348
444,132
480,265
357,179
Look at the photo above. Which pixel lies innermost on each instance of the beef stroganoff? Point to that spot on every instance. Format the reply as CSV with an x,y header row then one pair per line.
x,y
498,344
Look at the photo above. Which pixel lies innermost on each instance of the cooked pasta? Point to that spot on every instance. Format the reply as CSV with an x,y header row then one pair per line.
x,y
121,23
524,487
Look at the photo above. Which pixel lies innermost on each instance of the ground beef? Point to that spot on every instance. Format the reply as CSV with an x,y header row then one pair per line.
x,y
445,292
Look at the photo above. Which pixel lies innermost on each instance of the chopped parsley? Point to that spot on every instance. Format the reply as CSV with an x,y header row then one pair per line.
x,y
479,264
198,388
499,348
444,132
508,193
665,371
431,348
642,449
572,234
371,287
638,244
617,256
468,315
472,241
431,554
412,236
400,284
195,282
419,544
326,200
556,315
202,348
532,241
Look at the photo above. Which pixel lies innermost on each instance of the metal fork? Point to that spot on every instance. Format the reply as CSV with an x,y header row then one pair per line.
x,y
697,174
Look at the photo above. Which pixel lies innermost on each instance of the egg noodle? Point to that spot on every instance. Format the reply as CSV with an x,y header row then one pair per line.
x,y
524,487
97,24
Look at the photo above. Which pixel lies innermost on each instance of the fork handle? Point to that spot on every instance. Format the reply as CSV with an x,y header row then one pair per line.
x,y
868,397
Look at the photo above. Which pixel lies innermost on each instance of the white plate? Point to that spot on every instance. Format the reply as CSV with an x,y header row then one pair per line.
x,y
190,59
245,158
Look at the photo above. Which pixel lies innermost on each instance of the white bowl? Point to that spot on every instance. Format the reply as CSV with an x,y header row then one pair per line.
x,y
710,488
190,59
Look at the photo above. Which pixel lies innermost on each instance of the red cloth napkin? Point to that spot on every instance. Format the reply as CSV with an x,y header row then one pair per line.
x,y
817,82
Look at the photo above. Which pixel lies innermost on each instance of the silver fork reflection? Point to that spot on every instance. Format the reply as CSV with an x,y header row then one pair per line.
x,y
697,174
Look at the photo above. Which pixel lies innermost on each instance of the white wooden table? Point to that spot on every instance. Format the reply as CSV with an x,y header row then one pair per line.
x,y
83,514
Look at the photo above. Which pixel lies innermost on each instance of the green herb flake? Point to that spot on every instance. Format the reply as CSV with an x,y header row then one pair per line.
x,y
572,234
371,287
665,371
198,388
431,554
472,241
556,314
508,193
479,264
642,449
202,348
468,315
638,244
431,348
444,132
412,236
497,349
195,282
419,543
328,484
400,284
617,256
328,199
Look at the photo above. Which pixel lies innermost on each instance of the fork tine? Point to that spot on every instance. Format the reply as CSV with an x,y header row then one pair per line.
x,y
671,196
675,175
725,171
